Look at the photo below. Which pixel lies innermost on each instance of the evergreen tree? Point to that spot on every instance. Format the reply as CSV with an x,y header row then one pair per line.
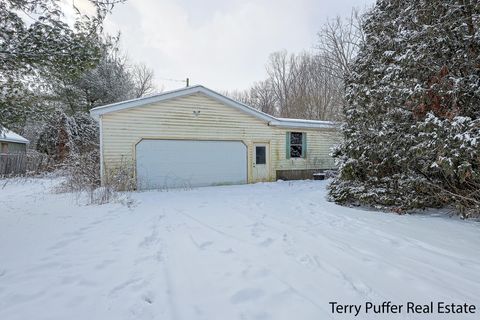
x,y
412,130
109,81
37,41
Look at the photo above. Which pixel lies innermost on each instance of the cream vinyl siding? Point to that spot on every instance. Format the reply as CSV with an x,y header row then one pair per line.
x,y
175,119
319,144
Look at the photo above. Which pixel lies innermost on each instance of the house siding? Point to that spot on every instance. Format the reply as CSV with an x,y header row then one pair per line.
x,y
175,119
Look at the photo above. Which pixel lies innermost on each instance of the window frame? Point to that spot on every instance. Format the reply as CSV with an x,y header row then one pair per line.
x,y
264,154
303,145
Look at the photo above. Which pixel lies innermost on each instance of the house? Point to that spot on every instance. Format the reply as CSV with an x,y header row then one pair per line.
x,y
197,137
13,148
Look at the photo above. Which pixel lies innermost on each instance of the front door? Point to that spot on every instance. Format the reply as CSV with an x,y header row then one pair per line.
x,y
260,162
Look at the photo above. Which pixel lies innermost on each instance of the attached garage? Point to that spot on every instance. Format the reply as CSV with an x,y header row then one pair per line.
x,y
189,163
194,137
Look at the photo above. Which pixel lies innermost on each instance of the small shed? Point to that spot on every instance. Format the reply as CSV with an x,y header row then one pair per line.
x,y
13,149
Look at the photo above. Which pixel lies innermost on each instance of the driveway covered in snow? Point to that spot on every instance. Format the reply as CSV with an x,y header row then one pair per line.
x,y
264,251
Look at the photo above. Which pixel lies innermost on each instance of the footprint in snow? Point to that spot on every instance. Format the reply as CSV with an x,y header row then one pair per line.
x,y
205,244
305,259
62,243
245,295
131,283
105,263
267,242
202,245
361,287
152,238
148,298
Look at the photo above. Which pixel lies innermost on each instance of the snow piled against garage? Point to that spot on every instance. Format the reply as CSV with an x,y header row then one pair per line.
x,y
264,251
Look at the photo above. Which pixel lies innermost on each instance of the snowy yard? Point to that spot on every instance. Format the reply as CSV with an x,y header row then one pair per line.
x,y
264,251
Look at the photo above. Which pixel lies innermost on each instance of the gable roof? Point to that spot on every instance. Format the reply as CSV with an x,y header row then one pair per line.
x,y
10,136
271,120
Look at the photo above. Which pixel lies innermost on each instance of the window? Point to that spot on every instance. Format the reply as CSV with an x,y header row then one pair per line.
x,y
4,148
296,145
260,155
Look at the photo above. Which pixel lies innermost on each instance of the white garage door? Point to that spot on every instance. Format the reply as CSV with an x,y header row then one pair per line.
x,y
188,163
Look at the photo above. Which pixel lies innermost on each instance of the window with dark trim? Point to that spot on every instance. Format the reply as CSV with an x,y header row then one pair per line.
x,y
296,144
260,155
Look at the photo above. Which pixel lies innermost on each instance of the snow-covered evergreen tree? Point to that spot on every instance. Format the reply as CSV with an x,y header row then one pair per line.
x,y
66,136
108,82
412,131
37,41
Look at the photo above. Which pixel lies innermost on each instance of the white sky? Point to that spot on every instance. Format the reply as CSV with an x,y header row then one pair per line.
x,y
222,44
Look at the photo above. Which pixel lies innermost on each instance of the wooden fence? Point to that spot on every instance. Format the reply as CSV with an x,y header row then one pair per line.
x,y
19,164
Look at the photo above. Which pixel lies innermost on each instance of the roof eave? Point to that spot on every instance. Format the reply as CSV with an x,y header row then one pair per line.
x,y
7,135
14,141
303,125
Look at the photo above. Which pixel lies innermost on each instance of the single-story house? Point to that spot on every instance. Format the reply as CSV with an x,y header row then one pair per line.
x,y
13,148
197,137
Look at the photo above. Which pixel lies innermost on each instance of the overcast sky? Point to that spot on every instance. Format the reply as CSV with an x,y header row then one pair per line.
x,y
222,44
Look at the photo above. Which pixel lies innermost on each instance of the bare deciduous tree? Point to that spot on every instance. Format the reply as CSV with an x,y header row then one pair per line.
x,y
262,98
278,70
302,87
309,85
298,86
339,41
142,77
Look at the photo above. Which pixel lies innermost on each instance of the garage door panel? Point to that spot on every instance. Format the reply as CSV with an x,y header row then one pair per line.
x,y
189,163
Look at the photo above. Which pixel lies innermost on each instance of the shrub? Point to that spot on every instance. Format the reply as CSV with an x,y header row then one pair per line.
x,y
83,178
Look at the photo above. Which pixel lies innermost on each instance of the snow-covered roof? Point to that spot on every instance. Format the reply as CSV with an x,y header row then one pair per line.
x,y
300,123
10,136
271,120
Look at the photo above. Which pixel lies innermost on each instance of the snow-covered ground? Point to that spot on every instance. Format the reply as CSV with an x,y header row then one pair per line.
x,y
264,251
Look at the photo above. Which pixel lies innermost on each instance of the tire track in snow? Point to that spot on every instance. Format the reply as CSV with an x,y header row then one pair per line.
x,y
257,245
210,227
162,256
357,286
146,274
360,255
